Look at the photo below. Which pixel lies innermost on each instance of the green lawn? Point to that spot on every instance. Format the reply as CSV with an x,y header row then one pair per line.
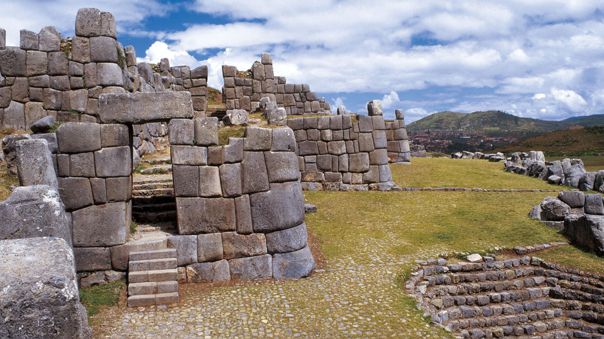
x,y
469,173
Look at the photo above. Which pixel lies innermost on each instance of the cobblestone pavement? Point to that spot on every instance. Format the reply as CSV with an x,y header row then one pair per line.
x,y
346,299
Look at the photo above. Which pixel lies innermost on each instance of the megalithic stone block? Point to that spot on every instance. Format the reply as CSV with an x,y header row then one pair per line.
x,y
40,290
34,163
144,107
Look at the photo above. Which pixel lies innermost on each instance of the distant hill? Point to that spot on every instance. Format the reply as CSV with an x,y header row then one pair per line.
x,y
493,123
587,121
573,141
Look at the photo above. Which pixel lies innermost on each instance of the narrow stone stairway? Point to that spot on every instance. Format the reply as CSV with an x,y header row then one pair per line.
x,y
152,278
153,199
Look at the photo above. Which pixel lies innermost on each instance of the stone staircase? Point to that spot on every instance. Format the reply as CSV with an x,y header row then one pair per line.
x,y
509,298
153,199
152,277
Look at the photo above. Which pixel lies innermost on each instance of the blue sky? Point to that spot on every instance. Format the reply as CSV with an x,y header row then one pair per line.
x,y
538,58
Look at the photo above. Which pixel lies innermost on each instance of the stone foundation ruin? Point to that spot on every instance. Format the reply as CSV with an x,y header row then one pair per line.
x,y
519,297
577,215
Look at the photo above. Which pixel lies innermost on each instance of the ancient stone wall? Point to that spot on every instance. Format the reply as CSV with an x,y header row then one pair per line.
x,y
342,152
243,90
48,75
240,206
398,140
94,166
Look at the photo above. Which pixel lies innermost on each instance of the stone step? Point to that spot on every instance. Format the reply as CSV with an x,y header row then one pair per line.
x,y
493,287
151,179
154,254
505,319
154,207
559,327
169,192
468,312
153,217
151,265
146,200
151,186
147,288
153,299
153,276
158,161
158,169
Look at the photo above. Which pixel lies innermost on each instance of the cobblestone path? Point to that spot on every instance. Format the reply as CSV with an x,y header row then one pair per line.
x,y
344,300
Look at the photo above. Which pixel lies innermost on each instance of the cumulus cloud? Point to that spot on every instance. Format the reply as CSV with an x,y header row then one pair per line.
x,y
34,15
160,49
390,100
571,99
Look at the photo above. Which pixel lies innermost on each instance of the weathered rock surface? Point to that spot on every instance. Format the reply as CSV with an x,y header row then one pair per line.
x,y
553,209
144,107
34,163
280,208
34,211
293,265
39,292
236,117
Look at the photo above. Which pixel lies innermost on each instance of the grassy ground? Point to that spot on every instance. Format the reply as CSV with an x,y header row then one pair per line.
x,y
6,182
96,297
470,173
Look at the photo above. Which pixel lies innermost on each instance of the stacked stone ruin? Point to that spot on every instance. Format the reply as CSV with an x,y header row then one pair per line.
x,y
518,297
240,206
577,215
243,90
48,75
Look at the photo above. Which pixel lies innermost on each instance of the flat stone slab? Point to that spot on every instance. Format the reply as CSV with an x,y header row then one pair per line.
x,y
144,107
39,292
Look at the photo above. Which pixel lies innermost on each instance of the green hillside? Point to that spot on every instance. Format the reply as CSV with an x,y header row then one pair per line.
x,y
574,141
587,120
489,123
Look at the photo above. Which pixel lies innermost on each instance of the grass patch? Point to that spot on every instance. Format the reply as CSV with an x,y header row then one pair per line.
x,y
573,257
230,132
96,297
133,227
7,182
447,172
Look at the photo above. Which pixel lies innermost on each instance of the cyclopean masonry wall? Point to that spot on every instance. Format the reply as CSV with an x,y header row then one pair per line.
x,y
243,90
240,206
51,76
342,152
398,140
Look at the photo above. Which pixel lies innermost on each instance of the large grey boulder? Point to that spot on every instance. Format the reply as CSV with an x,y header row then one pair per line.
x,y
586,231
34,163
236,117
574,199
34,211
209,272
38,290
289,240
594,204
293,265
280,208
553,209
186,248
43,125
259,267
9,149
100,225
586,183
598,182
574,175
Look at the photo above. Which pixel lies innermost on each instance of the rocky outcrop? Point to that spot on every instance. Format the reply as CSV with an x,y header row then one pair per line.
x,y
34,211
39,291
577,215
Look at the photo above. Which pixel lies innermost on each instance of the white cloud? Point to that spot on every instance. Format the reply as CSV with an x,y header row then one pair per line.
x,y
34,15
571,99
390,100
160,49
539,96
